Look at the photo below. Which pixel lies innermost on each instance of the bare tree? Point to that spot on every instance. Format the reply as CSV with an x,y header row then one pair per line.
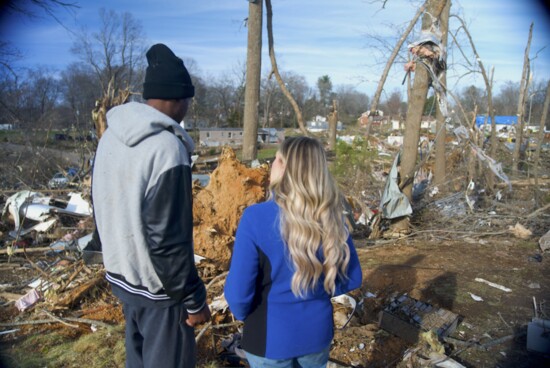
x,y
253,78
505,101
351,103
324,85
419,92
115,53
275,69
393,103
536,158
80,90
9,53
473,98
32,8
395,52
489,88
226,95
523,90
332,125
269,90
441,119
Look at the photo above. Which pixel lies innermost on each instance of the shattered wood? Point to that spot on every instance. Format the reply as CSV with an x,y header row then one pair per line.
x,y
473,232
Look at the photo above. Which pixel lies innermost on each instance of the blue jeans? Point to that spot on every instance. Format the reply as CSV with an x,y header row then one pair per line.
x,y
315,360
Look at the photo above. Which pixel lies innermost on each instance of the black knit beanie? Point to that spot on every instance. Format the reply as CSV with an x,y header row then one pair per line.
x,y
166,78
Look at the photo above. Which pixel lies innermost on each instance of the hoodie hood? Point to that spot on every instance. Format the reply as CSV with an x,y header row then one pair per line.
x,y
133,122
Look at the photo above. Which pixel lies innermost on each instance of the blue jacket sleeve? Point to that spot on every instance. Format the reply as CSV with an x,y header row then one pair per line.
x,y
355,275
168,219
240,286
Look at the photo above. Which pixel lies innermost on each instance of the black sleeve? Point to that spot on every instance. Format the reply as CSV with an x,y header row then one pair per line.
x,y
168,219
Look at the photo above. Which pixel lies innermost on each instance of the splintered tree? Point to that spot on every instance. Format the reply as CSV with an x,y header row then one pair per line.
x,y
332,125
441,119
489,88
253,78
536,159
115,53
524,87
275,69
417,101
393,56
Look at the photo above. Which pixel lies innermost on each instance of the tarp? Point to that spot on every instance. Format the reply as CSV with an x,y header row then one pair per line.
x,y
394,203
500,120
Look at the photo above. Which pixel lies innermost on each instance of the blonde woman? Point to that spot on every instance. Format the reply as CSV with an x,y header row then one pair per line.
x,y
292,254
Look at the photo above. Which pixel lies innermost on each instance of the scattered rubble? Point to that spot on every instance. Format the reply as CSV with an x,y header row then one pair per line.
x,y
409,318
51,235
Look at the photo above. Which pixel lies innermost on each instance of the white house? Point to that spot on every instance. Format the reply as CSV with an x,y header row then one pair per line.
x,y
320,124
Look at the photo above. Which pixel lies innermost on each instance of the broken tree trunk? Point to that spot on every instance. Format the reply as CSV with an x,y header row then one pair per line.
x,y
524,87
536,158
440,159
415,110
253,77
111,99
69,298
472,157
275,69
332,125
489,86
395,52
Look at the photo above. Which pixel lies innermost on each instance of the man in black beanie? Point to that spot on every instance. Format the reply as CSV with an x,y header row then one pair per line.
x,y
143,211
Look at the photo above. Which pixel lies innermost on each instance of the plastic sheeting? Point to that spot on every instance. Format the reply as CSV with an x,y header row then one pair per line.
x,y
394,203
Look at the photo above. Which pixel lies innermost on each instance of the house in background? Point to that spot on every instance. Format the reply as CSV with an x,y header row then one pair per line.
x,y
217,137
506,123
320,124
377,118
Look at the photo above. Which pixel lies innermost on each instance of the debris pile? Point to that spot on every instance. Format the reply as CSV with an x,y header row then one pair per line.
x,y
50,236
407,317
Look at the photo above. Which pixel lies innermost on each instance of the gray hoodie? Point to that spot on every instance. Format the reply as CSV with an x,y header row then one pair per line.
x,y
142,200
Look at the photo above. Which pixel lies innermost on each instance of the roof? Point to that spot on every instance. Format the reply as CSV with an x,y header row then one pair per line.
x,y
500,120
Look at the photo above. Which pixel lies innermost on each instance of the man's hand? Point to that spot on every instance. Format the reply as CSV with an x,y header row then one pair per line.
x,y
197,318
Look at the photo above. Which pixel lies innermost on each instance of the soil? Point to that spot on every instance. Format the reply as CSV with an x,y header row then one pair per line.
x,y
218,207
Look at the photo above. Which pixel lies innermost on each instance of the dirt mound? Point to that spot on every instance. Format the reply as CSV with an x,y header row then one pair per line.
x,y
218,207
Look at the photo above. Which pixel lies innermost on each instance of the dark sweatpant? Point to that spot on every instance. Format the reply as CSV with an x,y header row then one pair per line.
x,y
158,337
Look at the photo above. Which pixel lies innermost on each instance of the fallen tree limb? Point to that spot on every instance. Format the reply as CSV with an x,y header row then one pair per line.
x,y
381,243
216,279
46,321
524,183
71,297
209,325
476,345
542,209
55,318
26,250
89,322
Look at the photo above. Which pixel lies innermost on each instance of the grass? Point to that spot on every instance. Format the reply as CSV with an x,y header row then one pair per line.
x,y
351,159
103,348
263,154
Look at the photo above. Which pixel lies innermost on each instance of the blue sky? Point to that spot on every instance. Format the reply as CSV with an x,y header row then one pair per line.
x,y
312,37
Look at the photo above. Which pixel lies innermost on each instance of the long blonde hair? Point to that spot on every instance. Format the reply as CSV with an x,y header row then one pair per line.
x,y
311,216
